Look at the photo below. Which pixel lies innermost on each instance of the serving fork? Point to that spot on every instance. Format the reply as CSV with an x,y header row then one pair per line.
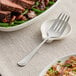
x,y
54,31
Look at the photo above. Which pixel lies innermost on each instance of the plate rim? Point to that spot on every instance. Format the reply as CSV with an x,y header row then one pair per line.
x,y
54,61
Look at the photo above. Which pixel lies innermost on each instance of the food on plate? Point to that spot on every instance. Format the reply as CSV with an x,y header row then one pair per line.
x,y
24,3
14,12
67,68
7,5
5,16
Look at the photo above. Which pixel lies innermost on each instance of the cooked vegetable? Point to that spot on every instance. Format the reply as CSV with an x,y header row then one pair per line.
x,y
51,2
67,65
12,24
37,3
26,11
19,22
15,12
37,10
4,24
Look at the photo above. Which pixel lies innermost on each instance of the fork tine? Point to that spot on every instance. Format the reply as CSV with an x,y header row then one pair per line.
x,y
54,24
59,22
65,25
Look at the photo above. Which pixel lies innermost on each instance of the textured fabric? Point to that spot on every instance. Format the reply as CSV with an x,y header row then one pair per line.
x,y
15,45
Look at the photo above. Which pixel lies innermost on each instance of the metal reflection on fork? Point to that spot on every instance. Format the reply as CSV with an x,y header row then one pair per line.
x,y
59,25
54,31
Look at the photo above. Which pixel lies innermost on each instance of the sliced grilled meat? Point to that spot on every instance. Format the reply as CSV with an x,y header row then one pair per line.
x,y
8,5
25,3
21,17
5,16
46,2
13,18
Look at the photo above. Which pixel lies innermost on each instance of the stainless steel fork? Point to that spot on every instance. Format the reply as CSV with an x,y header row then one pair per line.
x,y
54,31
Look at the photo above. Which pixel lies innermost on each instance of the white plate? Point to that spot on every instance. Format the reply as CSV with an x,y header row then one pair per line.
x,y
48,23
28,23
62,59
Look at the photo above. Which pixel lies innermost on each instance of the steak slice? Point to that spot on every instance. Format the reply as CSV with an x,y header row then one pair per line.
x,y
8,5
25,3
5,16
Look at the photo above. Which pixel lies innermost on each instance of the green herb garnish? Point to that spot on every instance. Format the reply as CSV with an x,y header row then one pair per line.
x,y
59,61
67,65
53,71
56,72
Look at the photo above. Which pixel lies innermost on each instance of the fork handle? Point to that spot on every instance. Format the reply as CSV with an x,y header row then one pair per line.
x,y
27,58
